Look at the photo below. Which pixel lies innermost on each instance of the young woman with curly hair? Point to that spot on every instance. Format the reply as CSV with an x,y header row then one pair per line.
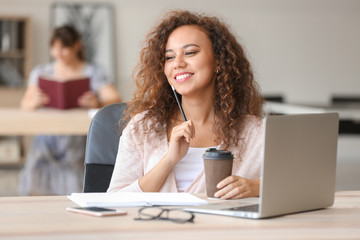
x,y
159,151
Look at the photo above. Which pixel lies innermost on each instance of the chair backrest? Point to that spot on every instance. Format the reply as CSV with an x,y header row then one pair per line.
x,y
345,100
101,147
274,98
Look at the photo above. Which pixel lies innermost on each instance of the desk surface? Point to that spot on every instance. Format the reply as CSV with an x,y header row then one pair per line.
x,y
46,218
14,121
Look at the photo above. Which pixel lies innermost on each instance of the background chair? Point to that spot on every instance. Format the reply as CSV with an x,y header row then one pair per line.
x,y
101,147
345,102
274,98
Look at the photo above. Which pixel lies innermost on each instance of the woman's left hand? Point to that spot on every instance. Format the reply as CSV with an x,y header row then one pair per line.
x,y
88,100
235,187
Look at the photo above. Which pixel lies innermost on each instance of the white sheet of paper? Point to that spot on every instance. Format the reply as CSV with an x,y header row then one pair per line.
x,y
134,199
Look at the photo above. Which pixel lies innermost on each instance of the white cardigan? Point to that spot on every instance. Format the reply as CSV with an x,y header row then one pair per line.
x,y
137,155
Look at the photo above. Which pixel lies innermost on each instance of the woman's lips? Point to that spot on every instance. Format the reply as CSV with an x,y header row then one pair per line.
x,y
182,77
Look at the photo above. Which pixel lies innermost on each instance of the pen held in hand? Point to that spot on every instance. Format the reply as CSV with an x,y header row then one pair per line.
x,y
179,104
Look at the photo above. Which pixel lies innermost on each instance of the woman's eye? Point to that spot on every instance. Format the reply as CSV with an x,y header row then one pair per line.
x,y
190,53
167,58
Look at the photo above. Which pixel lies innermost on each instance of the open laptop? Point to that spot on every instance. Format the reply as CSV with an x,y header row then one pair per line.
x,y
298,173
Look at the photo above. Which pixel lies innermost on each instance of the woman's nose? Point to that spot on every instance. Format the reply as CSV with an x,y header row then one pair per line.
x,y
179,62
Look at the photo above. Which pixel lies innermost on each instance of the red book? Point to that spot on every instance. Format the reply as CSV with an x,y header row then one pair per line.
x,y
64,94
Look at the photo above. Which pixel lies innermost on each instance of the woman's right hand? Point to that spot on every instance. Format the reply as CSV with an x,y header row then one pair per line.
x,y
178,147
180,141
34,98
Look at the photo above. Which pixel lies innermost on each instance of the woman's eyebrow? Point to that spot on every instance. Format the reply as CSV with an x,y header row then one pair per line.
x,y
183,47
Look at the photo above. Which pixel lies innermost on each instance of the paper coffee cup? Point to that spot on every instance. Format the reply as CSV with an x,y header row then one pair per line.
x,y
217,166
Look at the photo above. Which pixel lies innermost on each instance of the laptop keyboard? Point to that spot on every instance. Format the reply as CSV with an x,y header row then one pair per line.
x,y
249,208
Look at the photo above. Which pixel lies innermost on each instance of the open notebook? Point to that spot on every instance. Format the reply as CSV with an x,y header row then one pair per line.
x,y
134,199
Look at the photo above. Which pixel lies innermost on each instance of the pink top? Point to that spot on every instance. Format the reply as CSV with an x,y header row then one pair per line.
x,y
137,155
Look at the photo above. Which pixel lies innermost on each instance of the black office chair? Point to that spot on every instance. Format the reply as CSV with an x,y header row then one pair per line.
x,y
101,147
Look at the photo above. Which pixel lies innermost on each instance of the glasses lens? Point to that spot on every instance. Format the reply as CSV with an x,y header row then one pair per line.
x,y
150,213
180,216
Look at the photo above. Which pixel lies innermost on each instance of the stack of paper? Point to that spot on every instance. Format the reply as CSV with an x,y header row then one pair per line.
x,y
134,199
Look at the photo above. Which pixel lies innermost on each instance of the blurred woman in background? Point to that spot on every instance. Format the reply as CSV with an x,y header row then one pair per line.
x,y
54,164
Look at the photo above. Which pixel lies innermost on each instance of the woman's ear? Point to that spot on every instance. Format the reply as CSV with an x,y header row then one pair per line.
x,y
77,46
217,64
78,50
217,69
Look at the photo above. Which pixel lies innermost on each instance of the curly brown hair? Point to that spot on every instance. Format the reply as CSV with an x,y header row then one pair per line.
x,y
237,94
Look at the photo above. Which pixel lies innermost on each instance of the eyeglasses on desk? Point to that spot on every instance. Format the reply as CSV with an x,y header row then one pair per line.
x,y
158,213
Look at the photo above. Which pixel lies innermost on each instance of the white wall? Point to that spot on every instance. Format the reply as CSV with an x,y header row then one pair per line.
x,y
305,49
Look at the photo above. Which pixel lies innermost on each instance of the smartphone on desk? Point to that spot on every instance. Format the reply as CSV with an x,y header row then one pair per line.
x,y
96,211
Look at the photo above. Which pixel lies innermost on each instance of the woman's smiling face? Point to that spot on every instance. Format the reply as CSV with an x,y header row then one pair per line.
x,y
190,65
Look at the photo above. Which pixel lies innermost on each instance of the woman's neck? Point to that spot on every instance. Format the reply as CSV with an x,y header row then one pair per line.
x,y
66,70
199,110
200,106
74,64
